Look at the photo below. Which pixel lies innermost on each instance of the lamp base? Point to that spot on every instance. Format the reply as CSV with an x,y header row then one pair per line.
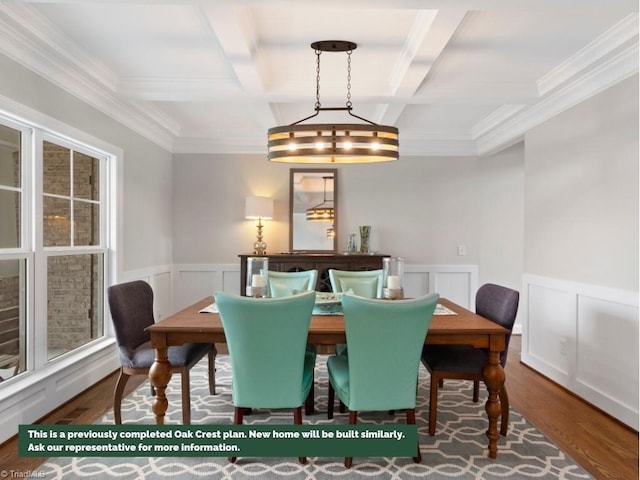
x,y
260,248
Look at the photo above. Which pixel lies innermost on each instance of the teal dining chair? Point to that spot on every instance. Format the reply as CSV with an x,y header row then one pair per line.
x,y
266,338
282,284
365,283
369,380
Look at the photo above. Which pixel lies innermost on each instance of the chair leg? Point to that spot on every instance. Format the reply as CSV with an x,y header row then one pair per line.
x,y
238,413
433,403
186,397
341,407
476,391
330,401
353,419
212,370
309,404
297,420
504,405
117,397
411,420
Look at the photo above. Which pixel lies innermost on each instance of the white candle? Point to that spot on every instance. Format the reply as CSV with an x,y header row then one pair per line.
x,y
393,282
256,280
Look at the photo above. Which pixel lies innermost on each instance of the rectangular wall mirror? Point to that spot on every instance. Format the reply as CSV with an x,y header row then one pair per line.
x,y
313,210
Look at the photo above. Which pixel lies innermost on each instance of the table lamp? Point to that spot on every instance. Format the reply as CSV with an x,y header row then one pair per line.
x,y
260,208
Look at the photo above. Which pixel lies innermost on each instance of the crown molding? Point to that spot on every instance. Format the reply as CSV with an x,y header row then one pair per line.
x,y
494,119
614,70
433,147
230,145
609,59
27,38
624,32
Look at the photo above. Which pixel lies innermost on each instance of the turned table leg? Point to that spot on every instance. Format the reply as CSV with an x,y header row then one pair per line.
x,y
494,377
160,375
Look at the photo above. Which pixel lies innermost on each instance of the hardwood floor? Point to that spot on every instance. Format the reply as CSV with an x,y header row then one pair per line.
x,y
601,445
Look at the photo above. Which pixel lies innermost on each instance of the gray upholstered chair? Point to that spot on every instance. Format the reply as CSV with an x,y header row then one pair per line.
x,y
131,306
496,303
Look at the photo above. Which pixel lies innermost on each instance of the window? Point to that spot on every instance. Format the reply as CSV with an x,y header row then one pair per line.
x,y
71,211
53,224
12,261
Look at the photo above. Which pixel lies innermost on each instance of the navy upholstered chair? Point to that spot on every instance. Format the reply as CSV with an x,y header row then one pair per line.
x,y
496,303
131,306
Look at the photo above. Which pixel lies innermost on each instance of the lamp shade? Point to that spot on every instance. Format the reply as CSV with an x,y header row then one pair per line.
x,y
258,207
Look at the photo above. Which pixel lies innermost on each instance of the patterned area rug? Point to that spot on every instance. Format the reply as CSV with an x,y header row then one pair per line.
x,y
458,450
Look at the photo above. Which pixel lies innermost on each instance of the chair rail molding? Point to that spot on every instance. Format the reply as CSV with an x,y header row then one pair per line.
x,y
585,338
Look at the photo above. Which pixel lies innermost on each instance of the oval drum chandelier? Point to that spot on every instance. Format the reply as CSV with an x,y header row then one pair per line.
x,y
365,142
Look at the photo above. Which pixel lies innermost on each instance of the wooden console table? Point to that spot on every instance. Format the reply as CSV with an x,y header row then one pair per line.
x,y
295,262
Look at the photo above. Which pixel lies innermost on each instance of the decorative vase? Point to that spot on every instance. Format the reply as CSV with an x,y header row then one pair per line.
x,y
365,232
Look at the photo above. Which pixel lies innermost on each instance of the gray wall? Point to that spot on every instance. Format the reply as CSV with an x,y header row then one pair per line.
x,y
581,192
420,208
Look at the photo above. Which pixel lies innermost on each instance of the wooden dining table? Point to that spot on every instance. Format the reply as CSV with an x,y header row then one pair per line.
x,y
459,326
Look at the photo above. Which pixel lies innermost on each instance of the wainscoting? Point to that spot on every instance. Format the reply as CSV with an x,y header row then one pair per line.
x,y
192,282
585,338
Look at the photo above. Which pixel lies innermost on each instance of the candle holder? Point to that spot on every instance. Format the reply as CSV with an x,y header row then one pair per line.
x,y
392,278
257,276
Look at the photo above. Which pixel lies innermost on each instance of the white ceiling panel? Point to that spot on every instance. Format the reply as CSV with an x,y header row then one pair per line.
x,y
457,78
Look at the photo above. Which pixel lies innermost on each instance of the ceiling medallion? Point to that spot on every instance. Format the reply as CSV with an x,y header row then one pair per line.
x,y
365,142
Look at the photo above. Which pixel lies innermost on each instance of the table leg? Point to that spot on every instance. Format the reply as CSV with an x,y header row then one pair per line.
x,y
493,375
159,376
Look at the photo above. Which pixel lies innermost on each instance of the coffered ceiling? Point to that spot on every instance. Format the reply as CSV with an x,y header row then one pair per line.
x,y
456,77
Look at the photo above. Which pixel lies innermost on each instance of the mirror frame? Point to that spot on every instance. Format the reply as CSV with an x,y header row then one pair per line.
x,y
292,173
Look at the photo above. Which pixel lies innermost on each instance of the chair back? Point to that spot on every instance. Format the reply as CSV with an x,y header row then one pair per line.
x,y
366,283
266,338
385,340
500,305
131,306
283,284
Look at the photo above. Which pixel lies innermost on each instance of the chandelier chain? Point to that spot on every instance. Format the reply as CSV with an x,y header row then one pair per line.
x,y
317,106
349,104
